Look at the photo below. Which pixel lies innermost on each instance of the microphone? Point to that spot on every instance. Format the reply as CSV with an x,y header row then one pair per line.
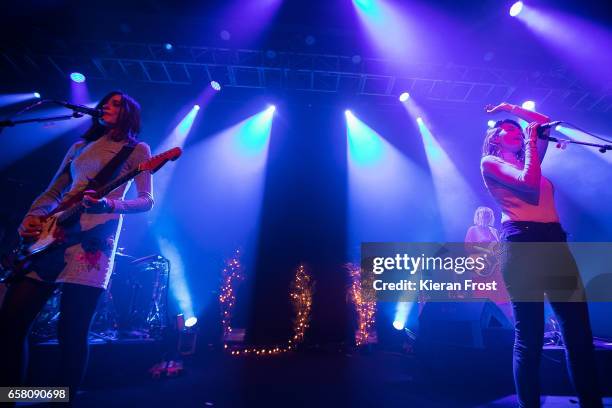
x,y
545,126
96,113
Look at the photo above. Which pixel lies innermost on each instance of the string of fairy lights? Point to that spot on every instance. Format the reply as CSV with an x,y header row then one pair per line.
x,y
300,293
364,302
231,275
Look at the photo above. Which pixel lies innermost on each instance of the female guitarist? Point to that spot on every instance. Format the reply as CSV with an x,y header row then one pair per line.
x,y
82,265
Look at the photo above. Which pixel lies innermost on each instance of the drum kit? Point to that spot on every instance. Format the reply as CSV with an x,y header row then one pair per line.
x,y
133,308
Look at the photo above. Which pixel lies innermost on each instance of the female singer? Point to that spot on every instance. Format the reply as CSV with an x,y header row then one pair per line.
x,y
82,268
510,167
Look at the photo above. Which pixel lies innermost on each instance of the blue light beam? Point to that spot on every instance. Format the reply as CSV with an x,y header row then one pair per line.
x,y
456,199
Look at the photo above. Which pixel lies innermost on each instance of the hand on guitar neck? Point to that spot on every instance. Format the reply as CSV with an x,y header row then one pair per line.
x,y
95,205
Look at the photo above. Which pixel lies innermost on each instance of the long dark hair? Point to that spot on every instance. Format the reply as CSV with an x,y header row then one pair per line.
x,y
128,122
490,147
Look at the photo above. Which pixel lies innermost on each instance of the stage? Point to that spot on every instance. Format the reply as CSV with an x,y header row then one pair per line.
x,y
344,203
322,377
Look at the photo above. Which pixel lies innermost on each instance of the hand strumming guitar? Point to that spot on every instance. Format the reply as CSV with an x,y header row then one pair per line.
x,y
30,227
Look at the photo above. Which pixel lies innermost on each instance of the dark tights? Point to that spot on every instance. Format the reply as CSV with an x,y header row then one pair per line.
x,y
23,300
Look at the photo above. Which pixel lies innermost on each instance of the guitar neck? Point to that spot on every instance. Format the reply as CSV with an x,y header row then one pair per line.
x,y
77,208
107,188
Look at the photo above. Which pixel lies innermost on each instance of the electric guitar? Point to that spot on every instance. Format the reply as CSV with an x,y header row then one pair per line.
x,y
56,225
492,260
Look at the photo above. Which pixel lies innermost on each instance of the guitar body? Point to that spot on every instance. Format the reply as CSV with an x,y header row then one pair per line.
x,y
50,233
490,267
19,262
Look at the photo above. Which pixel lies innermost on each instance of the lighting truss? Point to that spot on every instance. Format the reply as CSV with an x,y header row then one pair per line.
x,y
320,73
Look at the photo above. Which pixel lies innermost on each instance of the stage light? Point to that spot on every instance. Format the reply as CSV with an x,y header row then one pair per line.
x,y
190,322
516,8
404,96
310,40
419,119
529,105
491,123
402,312
168,46
215,85
366,5
271,108
366,147
187,335
196,107
225,35
36,95
77,77
398,325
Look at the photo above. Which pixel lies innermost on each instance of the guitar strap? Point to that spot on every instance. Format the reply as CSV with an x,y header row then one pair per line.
x,y
105,175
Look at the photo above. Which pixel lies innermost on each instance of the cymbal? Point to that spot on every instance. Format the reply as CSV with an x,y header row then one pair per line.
x,y
120,252
148,258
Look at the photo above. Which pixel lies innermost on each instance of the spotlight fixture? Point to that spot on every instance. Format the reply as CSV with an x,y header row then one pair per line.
x,y
397,325
348,113
404,96
271,108
310,40
529,105
215,85
187,334
491,123
77,77
225,35
168,46
36,95
419,119
516,8
190,322
196,107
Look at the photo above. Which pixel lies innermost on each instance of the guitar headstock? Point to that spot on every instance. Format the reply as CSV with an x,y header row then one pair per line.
x,y
156,162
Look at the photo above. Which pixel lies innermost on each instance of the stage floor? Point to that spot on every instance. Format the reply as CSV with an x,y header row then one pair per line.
x,y
118,377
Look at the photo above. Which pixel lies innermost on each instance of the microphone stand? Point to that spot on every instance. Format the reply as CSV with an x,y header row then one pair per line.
x,y
10,123
562,142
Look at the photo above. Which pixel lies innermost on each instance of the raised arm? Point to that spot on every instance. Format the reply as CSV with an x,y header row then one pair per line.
x,y
528,116
527,179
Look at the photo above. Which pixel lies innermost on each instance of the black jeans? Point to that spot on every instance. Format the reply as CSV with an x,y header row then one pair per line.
x,y
23,300
573,316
